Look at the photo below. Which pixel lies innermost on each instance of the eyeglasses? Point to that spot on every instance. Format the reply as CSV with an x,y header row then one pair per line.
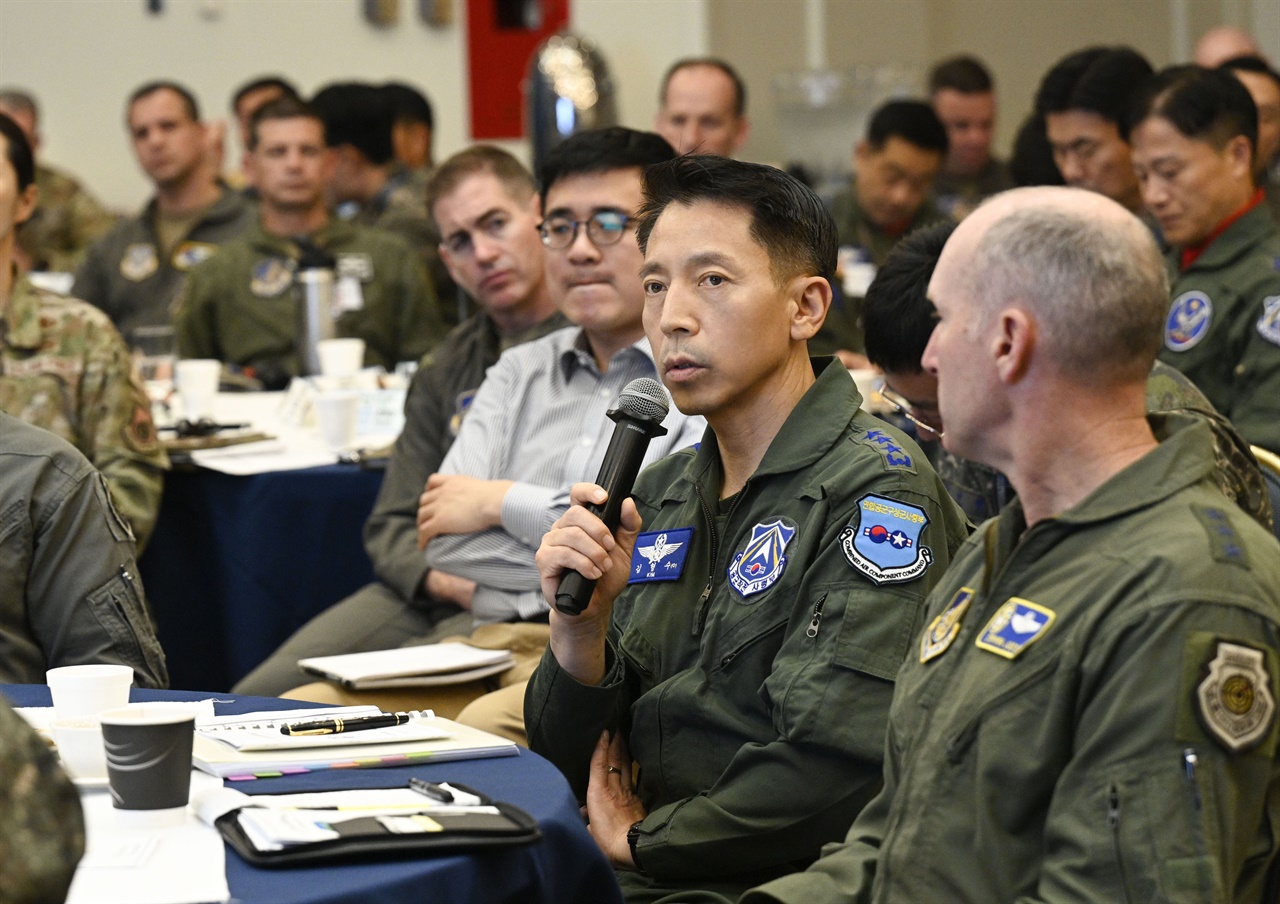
x,y
904,408
603,228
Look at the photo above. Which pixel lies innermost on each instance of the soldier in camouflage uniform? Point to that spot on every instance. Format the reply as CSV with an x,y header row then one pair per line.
x,y
64,367
69,219
41,825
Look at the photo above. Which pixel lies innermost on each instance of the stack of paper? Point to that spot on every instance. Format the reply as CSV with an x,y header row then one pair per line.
x,y
420,666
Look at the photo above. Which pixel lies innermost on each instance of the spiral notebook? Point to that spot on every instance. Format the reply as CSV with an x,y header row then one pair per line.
x,y
221,748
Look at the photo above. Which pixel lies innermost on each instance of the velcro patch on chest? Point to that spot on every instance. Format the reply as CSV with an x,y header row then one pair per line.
x,y
893,454
271,276
660,555
761,562
885,544
1015,626
1189,319
139,262
1234,699
943,629
1269,322
188,254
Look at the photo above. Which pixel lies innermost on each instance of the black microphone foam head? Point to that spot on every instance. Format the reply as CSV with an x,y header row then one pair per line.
x,y
643,399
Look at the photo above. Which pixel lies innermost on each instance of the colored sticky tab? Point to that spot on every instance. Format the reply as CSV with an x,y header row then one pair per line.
x,y
660,555
760,563
943,629
1015,626
885,543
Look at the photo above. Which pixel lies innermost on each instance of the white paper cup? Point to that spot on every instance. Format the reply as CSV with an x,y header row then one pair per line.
x,y
340,357
80,747
148,754
198,386
86,690
336,416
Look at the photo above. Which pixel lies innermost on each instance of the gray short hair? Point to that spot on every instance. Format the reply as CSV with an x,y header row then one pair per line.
x,y
1098,288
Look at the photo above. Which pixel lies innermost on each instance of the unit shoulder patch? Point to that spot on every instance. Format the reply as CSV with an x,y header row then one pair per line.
x,y
885,543
271,276
1189,319
1234,700
1015,626
659,555
761,562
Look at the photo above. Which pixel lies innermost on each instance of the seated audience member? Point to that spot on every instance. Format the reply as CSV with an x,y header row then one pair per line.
x,y
963,95
63,366
1082,99
136,271
486,206
239,306
1263,85
1223,42
248,99
1031,162
900,319
1193,133
702,107
1090,713
41,823
894,171
69,219
742,649
413,125
69,589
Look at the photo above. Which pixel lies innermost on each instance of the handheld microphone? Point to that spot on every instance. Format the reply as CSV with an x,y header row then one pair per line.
x,y
641,406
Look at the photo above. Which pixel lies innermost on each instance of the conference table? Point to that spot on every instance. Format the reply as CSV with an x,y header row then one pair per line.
x,y
564,867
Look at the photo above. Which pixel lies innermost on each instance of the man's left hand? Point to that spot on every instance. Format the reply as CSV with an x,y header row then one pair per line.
x,y
457,504
612,806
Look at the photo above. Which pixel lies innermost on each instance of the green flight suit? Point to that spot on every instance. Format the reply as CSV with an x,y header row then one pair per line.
x,y
239,307
751,666
66,222
125,274
1090,714
63,367
957,196
1223,329
863,248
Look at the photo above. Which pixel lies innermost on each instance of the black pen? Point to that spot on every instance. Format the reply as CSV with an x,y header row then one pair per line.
x,y
432,790
335,725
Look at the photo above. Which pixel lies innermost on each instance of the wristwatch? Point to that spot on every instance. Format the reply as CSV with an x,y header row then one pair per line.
x,y
633,835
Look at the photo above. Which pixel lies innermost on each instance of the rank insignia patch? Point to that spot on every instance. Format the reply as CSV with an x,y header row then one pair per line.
x,y
1269,322
1188,322
761,562
885,546
188,254
659,555
1234,699
894,455
1015,626
944,628
139,262
270,277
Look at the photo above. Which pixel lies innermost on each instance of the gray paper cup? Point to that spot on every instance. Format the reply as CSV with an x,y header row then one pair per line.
x,y
149,760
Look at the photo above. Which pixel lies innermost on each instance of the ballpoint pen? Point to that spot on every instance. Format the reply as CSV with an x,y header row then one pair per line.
x,y
336,725
431,790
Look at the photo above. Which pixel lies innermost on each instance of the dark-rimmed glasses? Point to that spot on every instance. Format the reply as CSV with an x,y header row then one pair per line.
x,y
603,228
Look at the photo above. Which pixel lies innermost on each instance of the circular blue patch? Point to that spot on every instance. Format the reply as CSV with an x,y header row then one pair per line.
x,y
1188,322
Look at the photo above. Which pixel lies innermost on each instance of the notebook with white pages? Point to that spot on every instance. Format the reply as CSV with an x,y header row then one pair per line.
x,y
419,666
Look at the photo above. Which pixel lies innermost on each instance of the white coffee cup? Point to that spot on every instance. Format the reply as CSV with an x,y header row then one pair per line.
x,y
80,747
86,690
336,415
198,386
340,357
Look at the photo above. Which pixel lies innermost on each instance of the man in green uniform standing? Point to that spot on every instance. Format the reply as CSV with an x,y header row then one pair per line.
x,y
742,649
239,307
894,171
135,272
1090,712
1194,133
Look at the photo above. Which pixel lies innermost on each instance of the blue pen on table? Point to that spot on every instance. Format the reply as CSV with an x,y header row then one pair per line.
x,y
336,725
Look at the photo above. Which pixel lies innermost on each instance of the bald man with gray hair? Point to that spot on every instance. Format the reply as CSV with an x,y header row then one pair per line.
x,y
1090,711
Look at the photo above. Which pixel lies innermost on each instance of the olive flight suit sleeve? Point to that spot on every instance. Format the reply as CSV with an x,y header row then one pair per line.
x,y
195,316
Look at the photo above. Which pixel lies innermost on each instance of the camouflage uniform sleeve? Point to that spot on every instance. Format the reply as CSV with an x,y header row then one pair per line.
x,y
41,824
119,435
419,324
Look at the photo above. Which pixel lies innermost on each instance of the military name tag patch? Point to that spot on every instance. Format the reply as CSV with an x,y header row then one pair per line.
x,y
1189,319
894,455
1235,701
943,629
1015,626
759,565
885,546
659,555
270,277
139,262
1269,322
356,266
191,253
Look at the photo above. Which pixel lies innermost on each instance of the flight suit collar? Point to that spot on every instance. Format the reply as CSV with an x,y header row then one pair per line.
x,y
22,316
227,206
1236,241
333,233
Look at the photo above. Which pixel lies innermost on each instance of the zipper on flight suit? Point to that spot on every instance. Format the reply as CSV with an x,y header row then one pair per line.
x,y
1113,823
704,600
812,630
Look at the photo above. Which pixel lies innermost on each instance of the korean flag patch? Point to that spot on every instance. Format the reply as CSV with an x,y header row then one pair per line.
x,y
759,565
1015,626
885,544
659,555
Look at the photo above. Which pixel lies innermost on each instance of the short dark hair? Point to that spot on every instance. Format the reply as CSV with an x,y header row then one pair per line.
x,y
911,120
1207,105
357,114
18,150
20,99
1251,63
1031,162
600,151
1097,80
897,315
965,74
408,104
188,99
283,107
479,158
787,219
739,86
279,82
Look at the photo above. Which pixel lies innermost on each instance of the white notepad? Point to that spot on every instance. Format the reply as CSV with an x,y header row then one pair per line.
x,y
420,666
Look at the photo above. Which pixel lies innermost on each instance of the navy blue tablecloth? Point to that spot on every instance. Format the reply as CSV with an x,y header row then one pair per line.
x,y
236,564
565,867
